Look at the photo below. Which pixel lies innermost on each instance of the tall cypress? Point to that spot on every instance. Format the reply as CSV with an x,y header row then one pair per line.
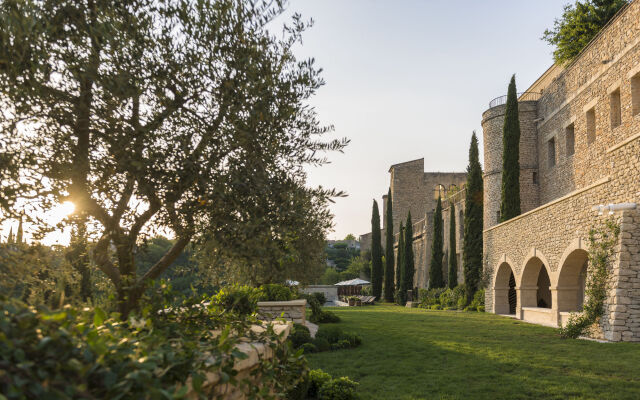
x,y
436,279
389,285
408,258
472,238
400,263
510,197
453,261
376,252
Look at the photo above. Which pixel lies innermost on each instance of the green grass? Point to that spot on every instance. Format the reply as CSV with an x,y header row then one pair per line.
x,y
420,354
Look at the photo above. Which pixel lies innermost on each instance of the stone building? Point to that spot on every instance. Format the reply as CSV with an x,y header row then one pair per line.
x,y
579,149
417,191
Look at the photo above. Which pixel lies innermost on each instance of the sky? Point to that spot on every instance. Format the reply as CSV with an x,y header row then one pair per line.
x,y
407,79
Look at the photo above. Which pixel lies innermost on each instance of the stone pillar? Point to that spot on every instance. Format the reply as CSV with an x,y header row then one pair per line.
x,y
527,297
501,300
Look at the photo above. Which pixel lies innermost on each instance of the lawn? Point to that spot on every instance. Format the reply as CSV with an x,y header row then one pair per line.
x,y
420,354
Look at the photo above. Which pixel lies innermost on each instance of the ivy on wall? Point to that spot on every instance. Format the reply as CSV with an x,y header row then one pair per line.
x,y
602,242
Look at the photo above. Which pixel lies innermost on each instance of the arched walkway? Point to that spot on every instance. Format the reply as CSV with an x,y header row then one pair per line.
x,y
504,290
571,281
535,285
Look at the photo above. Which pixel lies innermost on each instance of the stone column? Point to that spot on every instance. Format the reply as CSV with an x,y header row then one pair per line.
x,y
527,297
501,300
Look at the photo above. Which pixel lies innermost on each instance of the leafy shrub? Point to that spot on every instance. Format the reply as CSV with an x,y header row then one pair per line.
x,y
452,299
338,389
317,379
299,335
430,297
321,344
367,290
276,292
242,300
337,338
308,348
477,304
320,297
318,315
73,353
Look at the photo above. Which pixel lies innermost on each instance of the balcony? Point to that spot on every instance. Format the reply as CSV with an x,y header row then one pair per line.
x,y
524,96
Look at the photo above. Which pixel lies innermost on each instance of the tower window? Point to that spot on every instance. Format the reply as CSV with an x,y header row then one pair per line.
x,y
616,109
498,216
635,94
570,139
535,177
591,125
551,152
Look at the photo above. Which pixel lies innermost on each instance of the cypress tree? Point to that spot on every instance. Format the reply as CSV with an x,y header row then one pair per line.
x,y
400,263
408,259
510,197
436,279
472,238
19,234
453,262
376,252
389,285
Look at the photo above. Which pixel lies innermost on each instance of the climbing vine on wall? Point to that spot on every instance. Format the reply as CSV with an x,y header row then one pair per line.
x,y
602,242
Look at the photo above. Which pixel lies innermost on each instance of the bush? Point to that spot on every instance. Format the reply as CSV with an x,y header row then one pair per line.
x,y
338,389
320,297
477,304
276,292
366,290
308,348
337,338
242,300
74,353
452,299
321,344
318,315
299,335
317,378
430,298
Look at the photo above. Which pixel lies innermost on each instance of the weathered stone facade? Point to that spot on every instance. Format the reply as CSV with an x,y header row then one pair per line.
x,y
417,191
580,138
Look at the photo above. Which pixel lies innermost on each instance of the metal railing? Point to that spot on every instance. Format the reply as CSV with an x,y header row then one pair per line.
x,y
524,96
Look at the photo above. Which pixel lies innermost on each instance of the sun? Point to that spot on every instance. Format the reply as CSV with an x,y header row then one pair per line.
x,y
63,210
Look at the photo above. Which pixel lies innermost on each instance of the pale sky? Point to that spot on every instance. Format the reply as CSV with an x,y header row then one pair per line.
x,y
407,79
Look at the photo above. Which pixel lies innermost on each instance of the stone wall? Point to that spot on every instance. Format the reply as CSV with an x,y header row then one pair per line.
x,y
598,164
330,291
293,310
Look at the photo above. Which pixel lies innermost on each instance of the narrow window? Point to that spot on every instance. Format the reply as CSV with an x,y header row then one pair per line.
x,y
535,178
498,216
616,110
570,139
635,94
551,152
591,125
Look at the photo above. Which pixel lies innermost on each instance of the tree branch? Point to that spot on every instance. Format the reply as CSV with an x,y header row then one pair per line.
x,y
166,260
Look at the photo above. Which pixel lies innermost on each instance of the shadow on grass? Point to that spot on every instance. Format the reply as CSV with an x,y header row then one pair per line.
x,y
419,354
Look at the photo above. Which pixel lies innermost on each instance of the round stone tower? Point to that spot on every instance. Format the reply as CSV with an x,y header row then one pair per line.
x,y
492,124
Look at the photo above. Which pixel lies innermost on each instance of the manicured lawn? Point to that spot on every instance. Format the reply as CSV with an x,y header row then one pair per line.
x,y
420,354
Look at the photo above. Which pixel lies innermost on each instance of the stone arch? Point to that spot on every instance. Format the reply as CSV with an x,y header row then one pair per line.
x,y
572,276
535,281
504,289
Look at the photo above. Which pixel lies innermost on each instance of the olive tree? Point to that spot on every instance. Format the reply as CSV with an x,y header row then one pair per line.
x,y
178,116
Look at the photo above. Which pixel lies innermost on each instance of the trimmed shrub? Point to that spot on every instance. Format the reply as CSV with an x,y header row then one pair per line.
x,y
338,389
337,338
318,315
242,300
321,344
308,348
320,297
276,292
477,304
299,335
317,379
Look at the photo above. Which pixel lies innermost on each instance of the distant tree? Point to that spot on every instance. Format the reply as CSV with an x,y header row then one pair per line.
x,y
400,259
473,224
20,233
189,116
350,236
376,252
579,24
389,285
330,276
453,260
510,196
408,258
436,280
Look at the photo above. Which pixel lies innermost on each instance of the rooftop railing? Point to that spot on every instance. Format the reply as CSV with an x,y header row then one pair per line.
x,y
524,96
